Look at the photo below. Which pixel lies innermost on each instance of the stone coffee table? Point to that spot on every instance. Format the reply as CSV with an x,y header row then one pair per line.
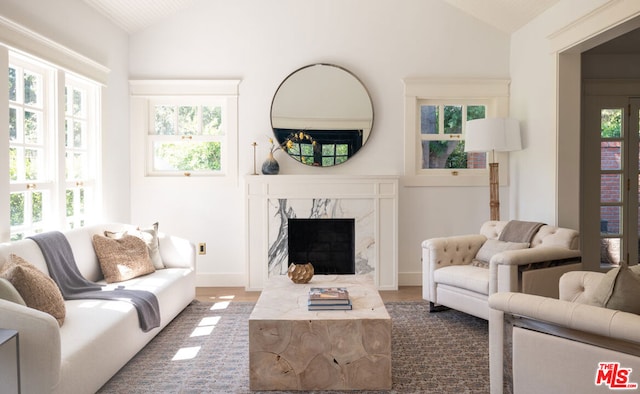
x,y
291,348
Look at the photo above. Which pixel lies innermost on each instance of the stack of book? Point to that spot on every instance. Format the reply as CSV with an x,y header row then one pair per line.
x,y
329,298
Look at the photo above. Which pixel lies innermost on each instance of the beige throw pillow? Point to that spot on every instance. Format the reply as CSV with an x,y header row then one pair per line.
x,y
492,247
37,290
150,236
620,290
123,258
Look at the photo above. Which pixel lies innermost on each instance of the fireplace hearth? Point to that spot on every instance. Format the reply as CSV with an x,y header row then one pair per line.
x,y
328,244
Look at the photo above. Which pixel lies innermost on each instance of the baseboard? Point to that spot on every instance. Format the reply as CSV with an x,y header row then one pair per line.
x,y
220,280
410,279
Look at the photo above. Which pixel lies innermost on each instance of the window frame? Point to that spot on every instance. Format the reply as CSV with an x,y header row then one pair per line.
x,y
146,93
493,93
53,183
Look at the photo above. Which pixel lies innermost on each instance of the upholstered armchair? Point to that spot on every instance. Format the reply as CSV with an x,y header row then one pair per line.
x,y
460,272
575,344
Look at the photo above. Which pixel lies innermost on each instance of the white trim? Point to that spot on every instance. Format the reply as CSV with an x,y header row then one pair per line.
x,y
21,39
187,87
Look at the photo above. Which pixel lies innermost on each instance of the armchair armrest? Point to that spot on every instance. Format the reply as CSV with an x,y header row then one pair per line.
x,y
39,335
444,251
581,317
535,255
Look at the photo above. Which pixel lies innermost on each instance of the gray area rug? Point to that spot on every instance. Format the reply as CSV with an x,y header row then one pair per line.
x,y
206,350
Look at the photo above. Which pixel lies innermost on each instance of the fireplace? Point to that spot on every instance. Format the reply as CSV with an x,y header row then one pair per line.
x,y
328,244
371,202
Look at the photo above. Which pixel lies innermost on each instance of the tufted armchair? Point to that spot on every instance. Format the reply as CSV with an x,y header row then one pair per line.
x,y
461,272
544,345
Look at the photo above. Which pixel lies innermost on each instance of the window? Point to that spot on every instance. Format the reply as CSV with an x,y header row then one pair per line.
x,y
442,135
436,114
36,186
187,134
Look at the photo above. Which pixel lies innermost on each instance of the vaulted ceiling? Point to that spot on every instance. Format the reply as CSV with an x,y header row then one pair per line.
x,y
506,15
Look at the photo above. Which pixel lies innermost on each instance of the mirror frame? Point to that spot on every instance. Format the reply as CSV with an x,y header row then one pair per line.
x,y
299,142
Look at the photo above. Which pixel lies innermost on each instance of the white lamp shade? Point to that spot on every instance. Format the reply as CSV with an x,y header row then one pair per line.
x,y
493,134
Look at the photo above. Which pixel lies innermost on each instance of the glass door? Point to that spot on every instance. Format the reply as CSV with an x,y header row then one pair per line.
x,y
610,168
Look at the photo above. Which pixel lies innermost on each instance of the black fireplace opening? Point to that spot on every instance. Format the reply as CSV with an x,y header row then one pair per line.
x,y
328,244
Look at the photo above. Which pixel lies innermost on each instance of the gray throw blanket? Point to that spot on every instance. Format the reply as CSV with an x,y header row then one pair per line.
x,y
519,231
73,286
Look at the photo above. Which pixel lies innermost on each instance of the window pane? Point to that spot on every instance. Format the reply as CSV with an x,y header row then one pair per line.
x,y
443,154
32,88
165,120
12,84
17,209
69,201
31,127
610,155
78,134
13,164
610,187
186,156
13,122
453,119
476,112
611,123
429,123
33,163
342,149
610,219
187,120
36,206
76,163
78,103
610,251
211,120
328,149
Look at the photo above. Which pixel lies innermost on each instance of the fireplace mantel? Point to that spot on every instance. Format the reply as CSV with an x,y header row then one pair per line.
x,y
371,200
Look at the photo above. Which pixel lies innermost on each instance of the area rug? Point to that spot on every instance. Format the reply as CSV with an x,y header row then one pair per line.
x,y
206,350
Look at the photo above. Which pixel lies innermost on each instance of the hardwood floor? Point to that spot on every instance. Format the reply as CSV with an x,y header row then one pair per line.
x,y
214,294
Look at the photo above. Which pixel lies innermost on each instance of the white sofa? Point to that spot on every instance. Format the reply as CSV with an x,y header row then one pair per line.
x,y
544,345
450,279
98,337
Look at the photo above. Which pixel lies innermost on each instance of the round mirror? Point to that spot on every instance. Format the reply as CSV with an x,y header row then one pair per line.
x,y
321,115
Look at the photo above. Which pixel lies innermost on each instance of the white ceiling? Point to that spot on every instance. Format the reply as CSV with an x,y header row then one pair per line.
x,y
506,15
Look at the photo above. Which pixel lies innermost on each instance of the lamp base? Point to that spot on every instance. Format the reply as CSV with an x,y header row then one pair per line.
x,y
494,191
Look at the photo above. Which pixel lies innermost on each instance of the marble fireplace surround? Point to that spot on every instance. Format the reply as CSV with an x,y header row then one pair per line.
x,y
371,200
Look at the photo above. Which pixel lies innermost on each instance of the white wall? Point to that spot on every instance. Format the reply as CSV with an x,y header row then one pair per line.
x,y
534,89
261,42
78,27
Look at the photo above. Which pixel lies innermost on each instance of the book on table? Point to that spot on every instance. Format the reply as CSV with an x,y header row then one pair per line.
x,y
329,296
330,307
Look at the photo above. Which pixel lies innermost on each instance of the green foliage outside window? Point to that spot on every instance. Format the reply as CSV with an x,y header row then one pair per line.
x,y
611,123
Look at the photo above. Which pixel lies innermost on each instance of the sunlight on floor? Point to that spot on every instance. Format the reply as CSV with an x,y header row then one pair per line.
x,y
186,353
220,305
206,326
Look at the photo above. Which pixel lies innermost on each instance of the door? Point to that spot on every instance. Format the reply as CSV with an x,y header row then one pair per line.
x,y
609,181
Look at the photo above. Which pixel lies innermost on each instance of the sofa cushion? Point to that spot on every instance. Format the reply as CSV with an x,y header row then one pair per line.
x,y
122,258
464,276
493,246
8,292
36,289
620,289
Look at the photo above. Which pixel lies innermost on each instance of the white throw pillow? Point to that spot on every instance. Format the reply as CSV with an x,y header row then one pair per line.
x,y
492,247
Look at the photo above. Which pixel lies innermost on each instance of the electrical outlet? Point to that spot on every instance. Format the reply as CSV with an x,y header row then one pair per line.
x,y
202,248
